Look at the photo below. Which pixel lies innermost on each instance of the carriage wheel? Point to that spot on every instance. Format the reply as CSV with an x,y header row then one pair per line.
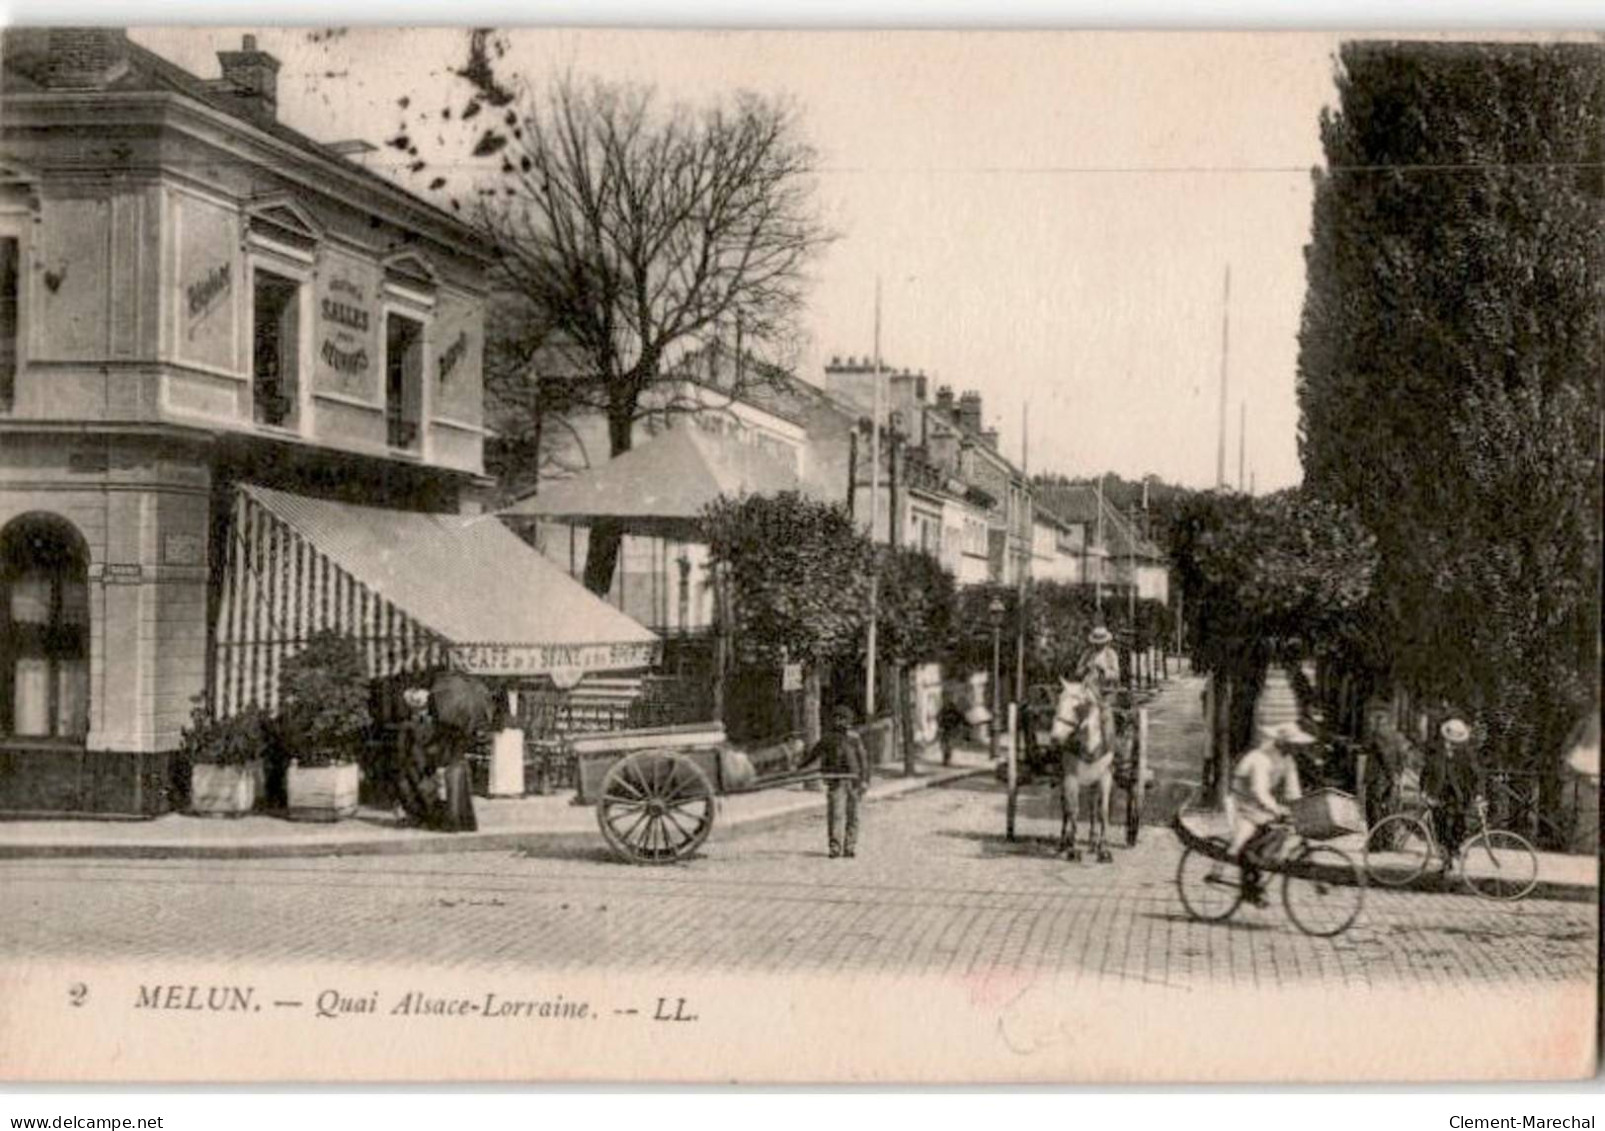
x,y
656,807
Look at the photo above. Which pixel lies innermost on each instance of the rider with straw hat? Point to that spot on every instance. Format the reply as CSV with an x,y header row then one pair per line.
x,y
1101,658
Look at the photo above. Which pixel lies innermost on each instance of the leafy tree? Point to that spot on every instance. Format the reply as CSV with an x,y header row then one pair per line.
x,y
798,571
632,234
1263,579
1450,364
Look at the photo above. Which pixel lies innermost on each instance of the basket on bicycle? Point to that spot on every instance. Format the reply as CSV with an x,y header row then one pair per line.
x,y
1325,814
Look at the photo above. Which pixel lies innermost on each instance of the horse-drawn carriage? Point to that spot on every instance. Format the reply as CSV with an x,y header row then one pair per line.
x,y
1075,756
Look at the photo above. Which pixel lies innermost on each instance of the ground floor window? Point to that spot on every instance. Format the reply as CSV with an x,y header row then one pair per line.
x,y
44,630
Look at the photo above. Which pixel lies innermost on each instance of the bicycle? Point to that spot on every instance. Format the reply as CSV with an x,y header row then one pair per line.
x,y
1323,889
1494,863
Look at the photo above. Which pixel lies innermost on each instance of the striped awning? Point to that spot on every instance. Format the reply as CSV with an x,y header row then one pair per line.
x,y
417,591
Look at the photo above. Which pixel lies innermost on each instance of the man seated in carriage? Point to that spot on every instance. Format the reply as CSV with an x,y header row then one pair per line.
x,y
1268,770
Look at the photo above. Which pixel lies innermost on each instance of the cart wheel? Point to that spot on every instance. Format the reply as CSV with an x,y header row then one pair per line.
x,y
656,807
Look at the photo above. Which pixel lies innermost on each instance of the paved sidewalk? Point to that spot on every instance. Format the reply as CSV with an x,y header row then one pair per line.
x,y
551,822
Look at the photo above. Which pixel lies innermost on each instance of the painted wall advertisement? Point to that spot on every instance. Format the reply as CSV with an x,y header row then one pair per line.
x,y
345,340
458,335
209,279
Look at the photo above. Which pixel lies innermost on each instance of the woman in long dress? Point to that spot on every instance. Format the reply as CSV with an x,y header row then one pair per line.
x,y
462,709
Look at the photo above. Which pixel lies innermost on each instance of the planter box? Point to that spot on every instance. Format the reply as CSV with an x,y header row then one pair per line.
x,y
322,793
224,791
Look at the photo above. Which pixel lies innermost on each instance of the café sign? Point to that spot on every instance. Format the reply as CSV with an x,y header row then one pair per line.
x,y
558,660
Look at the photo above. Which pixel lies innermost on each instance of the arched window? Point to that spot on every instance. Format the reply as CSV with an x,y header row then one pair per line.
x,y
44,630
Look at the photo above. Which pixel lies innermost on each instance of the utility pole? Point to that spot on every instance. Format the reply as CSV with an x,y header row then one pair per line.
x,y
1242,440
1028,524
1225,342
1102,549
1131,594
874,513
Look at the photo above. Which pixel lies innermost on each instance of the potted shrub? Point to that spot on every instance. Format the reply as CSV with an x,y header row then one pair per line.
x,y
323,720
225,760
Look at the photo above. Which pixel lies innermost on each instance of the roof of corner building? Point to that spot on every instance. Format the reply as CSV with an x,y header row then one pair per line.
x,y
148,71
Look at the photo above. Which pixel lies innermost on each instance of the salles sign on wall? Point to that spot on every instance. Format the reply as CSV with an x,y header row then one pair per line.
x,y
347,331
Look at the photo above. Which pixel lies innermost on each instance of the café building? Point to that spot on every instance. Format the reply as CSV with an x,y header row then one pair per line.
x,y
216,332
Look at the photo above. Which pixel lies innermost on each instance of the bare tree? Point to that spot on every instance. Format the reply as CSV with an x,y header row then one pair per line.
x,y
636,237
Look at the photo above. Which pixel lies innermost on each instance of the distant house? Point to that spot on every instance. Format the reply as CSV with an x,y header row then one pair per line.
x,y
944,485
1111,550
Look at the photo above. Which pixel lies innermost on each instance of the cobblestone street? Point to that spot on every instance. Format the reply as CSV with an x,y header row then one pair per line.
x,y
935,890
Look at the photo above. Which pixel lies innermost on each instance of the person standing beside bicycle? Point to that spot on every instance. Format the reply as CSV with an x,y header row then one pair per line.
x,y
1451,783
1264,783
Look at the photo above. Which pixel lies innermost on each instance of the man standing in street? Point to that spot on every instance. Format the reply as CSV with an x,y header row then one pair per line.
x,y
844,765
1452,782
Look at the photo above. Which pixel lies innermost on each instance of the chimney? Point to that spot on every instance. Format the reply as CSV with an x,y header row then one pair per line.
x,y
990,438
970,411
944,402
68,57
919,388
252,78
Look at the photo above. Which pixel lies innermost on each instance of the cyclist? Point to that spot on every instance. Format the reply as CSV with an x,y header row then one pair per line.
x,y
1259,776
1452,784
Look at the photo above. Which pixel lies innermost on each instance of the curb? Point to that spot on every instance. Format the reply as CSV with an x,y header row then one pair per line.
x,y
427,844
1426,883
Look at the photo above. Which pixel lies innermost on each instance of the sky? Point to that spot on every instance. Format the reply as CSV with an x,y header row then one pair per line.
x,y
1051,214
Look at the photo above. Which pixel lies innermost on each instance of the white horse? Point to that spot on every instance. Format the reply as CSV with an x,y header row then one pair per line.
x,y
1085,760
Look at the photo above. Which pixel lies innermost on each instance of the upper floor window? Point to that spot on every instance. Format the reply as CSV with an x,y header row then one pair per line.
x,y
10,320
276,348
410,292
404,376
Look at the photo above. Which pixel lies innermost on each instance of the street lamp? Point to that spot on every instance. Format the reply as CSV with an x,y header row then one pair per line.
x,y
995,614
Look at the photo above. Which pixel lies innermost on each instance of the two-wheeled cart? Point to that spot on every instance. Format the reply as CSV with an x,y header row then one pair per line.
x,y
657,790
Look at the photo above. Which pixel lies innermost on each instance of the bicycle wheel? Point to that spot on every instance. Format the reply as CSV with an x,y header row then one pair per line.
x,y
1323,890
1397,850
1210,889
1499,864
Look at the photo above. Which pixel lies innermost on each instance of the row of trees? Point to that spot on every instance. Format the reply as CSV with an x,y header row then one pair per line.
x,y
1446,542
1450,371
799,574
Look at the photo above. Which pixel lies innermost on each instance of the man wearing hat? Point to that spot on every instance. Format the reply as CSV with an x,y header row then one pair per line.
x,y
1101,657
1452,783
844,765
1268,770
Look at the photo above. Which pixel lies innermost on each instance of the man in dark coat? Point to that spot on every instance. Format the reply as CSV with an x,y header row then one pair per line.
x,y
844,764
414,770
1452,781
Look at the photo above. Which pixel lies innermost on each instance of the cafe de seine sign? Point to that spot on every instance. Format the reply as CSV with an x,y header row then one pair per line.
x,y
552,659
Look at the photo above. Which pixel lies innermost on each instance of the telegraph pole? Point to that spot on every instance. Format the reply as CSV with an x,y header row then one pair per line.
x,y
1225,342
874,513
1098,592
1242,440
1028,522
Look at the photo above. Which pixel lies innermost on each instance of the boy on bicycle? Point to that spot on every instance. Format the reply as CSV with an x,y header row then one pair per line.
x,y
1259,776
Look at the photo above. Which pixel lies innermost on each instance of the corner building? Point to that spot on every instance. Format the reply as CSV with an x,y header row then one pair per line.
x,y
193,297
